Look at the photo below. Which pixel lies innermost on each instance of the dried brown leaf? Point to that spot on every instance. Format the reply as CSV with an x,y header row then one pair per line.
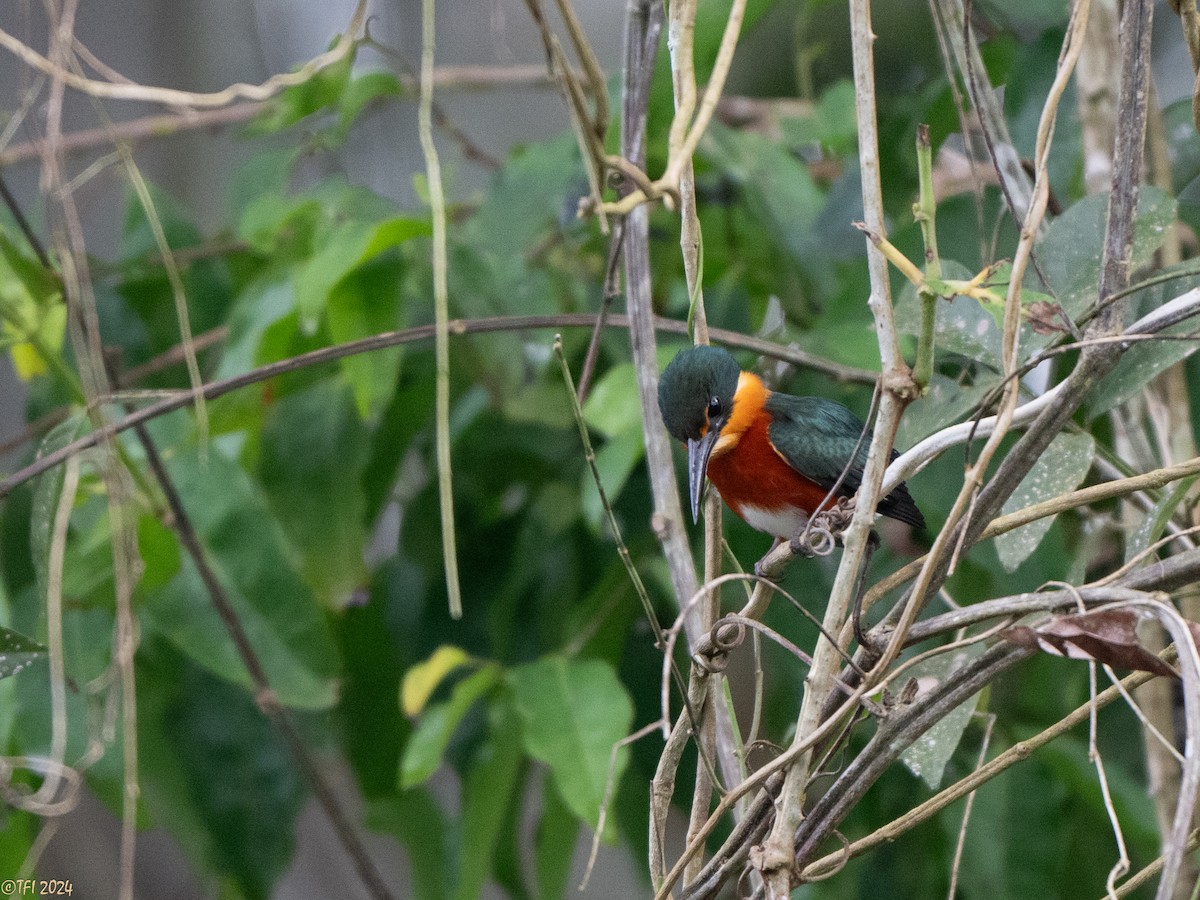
x,y
1046,317
1109,637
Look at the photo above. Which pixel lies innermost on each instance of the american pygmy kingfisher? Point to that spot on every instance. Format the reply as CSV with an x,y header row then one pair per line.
x,y
772,456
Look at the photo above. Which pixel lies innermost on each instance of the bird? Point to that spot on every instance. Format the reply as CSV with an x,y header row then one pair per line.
x,y
772,456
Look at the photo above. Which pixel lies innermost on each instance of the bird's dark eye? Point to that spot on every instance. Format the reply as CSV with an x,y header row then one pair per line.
x,y
714,408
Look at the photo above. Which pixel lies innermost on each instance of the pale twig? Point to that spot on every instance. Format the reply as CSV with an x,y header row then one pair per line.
x,y
265,696
456,327
177,290
778,853
54,632
84,325
985,773
437,205
1121,866
622,548
967,807
177,98
610,784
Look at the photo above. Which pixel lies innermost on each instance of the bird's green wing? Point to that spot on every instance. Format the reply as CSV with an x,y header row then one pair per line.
x,y
817,437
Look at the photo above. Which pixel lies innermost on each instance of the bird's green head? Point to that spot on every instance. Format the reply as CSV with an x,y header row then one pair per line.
x,y
696,391
695,396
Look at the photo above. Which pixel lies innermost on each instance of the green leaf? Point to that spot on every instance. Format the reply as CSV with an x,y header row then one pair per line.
x,y
265,173
573,712
360,93
491,783
1154,524
247,550
927,757
373,728
159,549
1059,469
1070,253
615,461
612,405
832,123
313,451
944,402
961,325
316,93
1144,360
557,834
17,652
416,820
268,218
241,779
369,301
428,742
777,187
350,244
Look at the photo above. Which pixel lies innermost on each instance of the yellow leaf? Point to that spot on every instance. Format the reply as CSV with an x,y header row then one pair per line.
x,y
422,679
27,361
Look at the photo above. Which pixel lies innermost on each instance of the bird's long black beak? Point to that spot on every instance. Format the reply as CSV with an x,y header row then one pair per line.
x,y
698,454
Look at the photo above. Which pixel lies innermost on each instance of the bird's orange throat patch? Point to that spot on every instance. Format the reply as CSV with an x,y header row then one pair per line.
x,y
748,402
754,480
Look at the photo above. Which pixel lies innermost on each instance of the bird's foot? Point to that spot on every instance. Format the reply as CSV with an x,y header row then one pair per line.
x,y
823,531
769,573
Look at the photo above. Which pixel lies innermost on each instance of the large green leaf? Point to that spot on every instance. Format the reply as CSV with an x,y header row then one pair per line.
x,y
573,712
557,834
489,792
1144,360
17,652
612,405
347,246
927,757
944,402
246,548
312,452
242,781
777,187
369,301
1061,468
961,324
1070,253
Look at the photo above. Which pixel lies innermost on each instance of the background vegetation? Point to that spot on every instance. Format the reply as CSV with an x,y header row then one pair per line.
x,y
204,613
